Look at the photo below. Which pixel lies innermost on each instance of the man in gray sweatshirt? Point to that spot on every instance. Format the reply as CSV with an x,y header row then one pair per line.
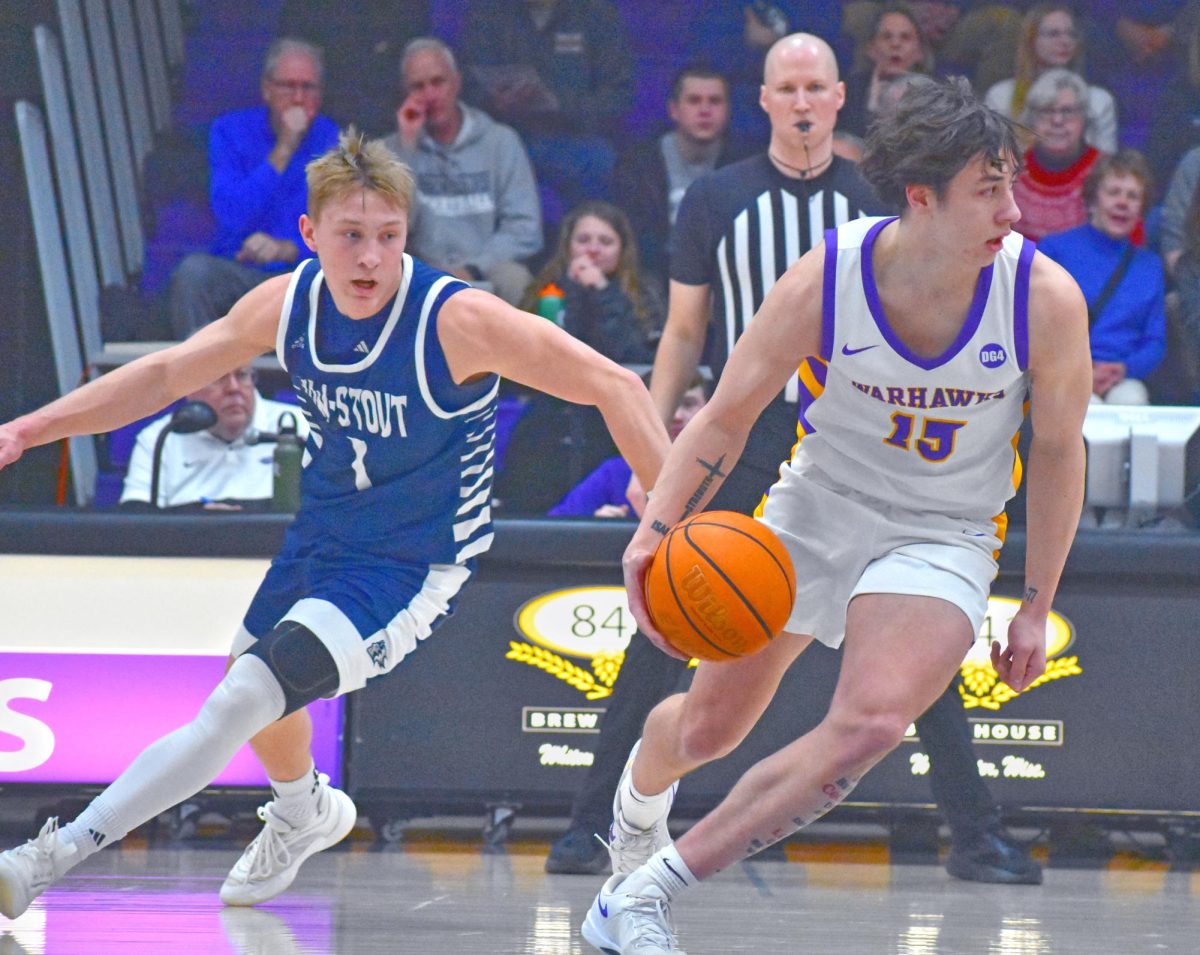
x,y
477,213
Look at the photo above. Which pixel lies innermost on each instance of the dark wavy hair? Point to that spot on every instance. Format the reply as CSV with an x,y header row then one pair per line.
x,y
935,129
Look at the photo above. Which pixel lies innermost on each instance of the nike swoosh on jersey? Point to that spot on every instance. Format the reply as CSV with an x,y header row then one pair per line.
x,y
848,351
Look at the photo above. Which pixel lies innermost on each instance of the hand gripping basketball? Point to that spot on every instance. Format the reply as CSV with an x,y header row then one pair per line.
x,y
720,586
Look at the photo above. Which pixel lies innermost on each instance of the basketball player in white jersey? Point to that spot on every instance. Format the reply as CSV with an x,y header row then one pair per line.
x,y
396,367
933,330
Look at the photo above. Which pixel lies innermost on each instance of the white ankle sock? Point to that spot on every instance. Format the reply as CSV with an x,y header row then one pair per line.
x,y
296,800
639,811
665,871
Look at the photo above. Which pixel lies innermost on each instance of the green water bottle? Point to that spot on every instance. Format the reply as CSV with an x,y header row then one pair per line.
x,y
289,452
550,303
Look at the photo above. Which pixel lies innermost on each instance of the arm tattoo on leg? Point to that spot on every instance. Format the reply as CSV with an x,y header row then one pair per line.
x,y
830,795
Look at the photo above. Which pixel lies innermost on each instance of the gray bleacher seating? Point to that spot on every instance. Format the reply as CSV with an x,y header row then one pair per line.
x,y
97,179
67,174
172,28
116,135
154,61
133,81
60,306
84,234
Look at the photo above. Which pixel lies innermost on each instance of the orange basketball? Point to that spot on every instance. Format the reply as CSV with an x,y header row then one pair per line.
x,y
720,586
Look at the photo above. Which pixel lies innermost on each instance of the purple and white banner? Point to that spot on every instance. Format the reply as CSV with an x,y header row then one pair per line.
x,y
82,718
100,656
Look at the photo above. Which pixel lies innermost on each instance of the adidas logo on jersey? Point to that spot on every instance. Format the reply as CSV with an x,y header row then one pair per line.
x,y
362,347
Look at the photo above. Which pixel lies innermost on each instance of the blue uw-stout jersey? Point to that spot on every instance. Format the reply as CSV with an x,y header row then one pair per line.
x,y
399,458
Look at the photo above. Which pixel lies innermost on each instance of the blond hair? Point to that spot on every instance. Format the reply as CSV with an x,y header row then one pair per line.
x,y
1027,67
358,163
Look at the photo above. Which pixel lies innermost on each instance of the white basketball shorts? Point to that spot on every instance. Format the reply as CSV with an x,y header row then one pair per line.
x,y
843,543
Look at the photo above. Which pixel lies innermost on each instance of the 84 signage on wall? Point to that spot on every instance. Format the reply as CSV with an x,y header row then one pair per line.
x,y
579,636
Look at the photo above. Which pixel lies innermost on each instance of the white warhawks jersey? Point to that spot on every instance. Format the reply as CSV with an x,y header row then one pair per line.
x,y
934,434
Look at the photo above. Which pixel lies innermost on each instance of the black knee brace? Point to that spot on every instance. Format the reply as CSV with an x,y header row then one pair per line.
x,y
300,662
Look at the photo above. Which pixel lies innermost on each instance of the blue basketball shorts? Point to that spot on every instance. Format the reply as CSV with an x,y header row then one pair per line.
x,y
370,612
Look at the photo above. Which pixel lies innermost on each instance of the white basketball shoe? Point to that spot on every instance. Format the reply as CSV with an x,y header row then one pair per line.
x,y
271,861
620,923
29,870
628,846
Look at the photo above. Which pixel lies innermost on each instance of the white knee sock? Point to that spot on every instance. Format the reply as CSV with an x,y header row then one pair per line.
x,y
183,762
296,800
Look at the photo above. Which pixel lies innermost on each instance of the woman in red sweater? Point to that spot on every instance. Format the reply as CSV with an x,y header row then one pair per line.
x,y
1049,189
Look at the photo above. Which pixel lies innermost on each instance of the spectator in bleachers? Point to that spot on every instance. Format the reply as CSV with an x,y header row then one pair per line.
x,y
1135,55
1049,188
979,43
592,286
1180,248
362,39
977,39
733,37
1175,127
652,175
256,163
561,73
602,493
1052,39
896,47
222,468
607,299
1177,233
477,214
1123,284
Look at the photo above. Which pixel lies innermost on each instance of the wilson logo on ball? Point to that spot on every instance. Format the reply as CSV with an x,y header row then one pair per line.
x,y
702,603
720,586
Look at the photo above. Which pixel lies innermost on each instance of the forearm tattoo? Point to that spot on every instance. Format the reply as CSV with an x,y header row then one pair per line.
x,y
660,527
1030,593
712,472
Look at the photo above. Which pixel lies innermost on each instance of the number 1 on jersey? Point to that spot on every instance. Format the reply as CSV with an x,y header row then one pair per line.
x,y
937,436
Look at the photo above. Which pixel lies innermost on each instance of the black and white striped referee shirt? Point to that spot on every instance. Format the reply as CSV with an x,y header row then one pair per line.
x,y
737,231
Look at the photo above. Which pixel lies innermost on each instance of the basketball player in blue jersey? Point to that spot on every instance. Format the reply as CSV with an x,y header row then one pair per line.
x,y
396,365
933,329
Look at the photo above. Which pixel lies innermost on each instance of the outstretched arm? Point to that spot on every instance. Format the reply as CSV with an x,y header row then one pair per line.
x,y
481,335
1061,384
154,381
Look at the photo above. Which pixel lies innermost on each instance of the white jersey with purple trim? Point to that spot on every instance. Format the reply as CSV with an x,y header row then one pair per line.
x,y
921,433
